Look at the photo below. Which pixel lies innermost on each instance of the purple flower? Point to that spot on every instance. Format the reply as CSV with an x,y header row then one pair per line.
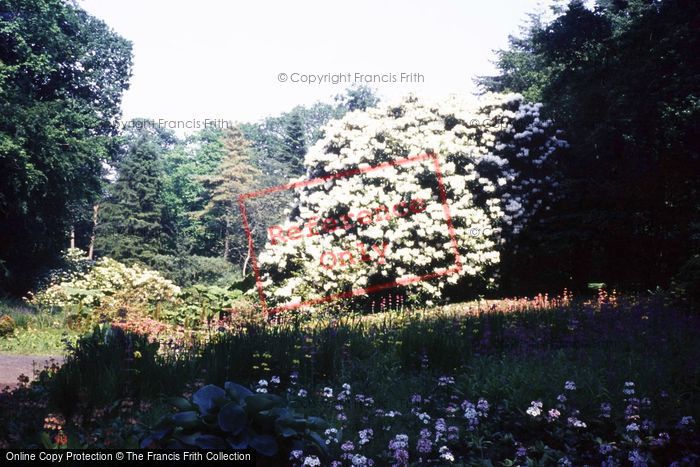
x,y
423,417
632,427
366,436
637,458
331,435
401,457
446,381
648,426
359,459
631,411
686,422
453,433
451,409
348,446
399,442
553,414
575,422
470,412
483,407
440,425
661,440
424,445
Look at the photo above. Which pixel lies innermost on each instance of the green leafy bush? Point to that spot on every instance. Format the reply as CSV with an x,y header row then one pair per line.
x,y
202,303
192,269
235,417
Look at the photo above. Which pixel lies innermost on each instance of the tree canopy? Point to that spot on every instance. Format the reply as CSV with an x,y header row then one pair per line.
x,y
622,81
62,75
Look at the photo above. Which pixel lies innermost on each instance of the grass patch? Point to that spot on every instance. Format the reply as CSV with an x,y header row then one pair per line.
x,y
36,332
42,341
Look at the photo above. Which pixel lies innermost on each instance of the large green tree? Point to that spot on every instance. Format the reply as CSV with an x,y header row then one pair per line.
x,y
234,176
280,142
294,145
62,75
198,155
134,223
623,81
357,98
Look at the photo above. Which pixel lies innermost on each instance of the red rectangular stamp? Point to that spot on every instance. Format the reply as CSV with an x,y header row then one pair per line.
x,y
353,233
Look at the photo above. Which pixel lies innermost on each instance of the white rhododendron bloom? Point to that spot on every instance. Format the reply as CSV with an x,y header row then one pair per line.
x,y
368,222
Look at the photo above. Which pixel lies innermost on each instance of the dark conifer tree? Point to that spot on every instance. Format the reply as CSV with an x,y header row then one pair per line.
x,y
132,223
294,146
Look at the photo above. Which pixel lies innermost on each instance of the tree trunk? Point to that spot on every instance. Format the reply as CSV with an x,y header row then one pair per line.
x,y
247,256
91,248
72,236
226,237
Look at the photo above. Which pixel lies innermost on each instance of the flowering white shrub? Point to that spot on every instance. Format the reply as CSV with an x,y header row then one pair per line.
x,y
492,155
107,287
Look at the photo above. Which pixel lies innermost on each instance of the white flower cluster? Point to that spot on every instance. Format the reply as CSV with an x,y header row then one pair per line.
x,y
109,284
495,177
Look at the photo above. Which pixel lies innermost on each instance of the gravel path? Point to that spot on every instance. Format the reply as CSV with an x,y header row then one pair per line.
x,y
11,366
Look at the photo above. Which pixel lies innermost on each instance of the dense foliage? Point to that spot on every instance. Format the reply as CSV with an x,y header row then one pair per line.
x,y
62,74
132,219
622,81
513,381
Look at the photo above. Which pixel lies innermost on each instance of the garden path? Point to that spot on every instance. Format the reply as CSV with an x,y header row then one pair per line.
x,y
12,366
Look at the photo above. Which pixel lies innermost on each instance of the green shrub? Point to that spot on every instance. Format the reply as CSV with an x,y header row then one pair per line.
x,y
192,269
202,303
